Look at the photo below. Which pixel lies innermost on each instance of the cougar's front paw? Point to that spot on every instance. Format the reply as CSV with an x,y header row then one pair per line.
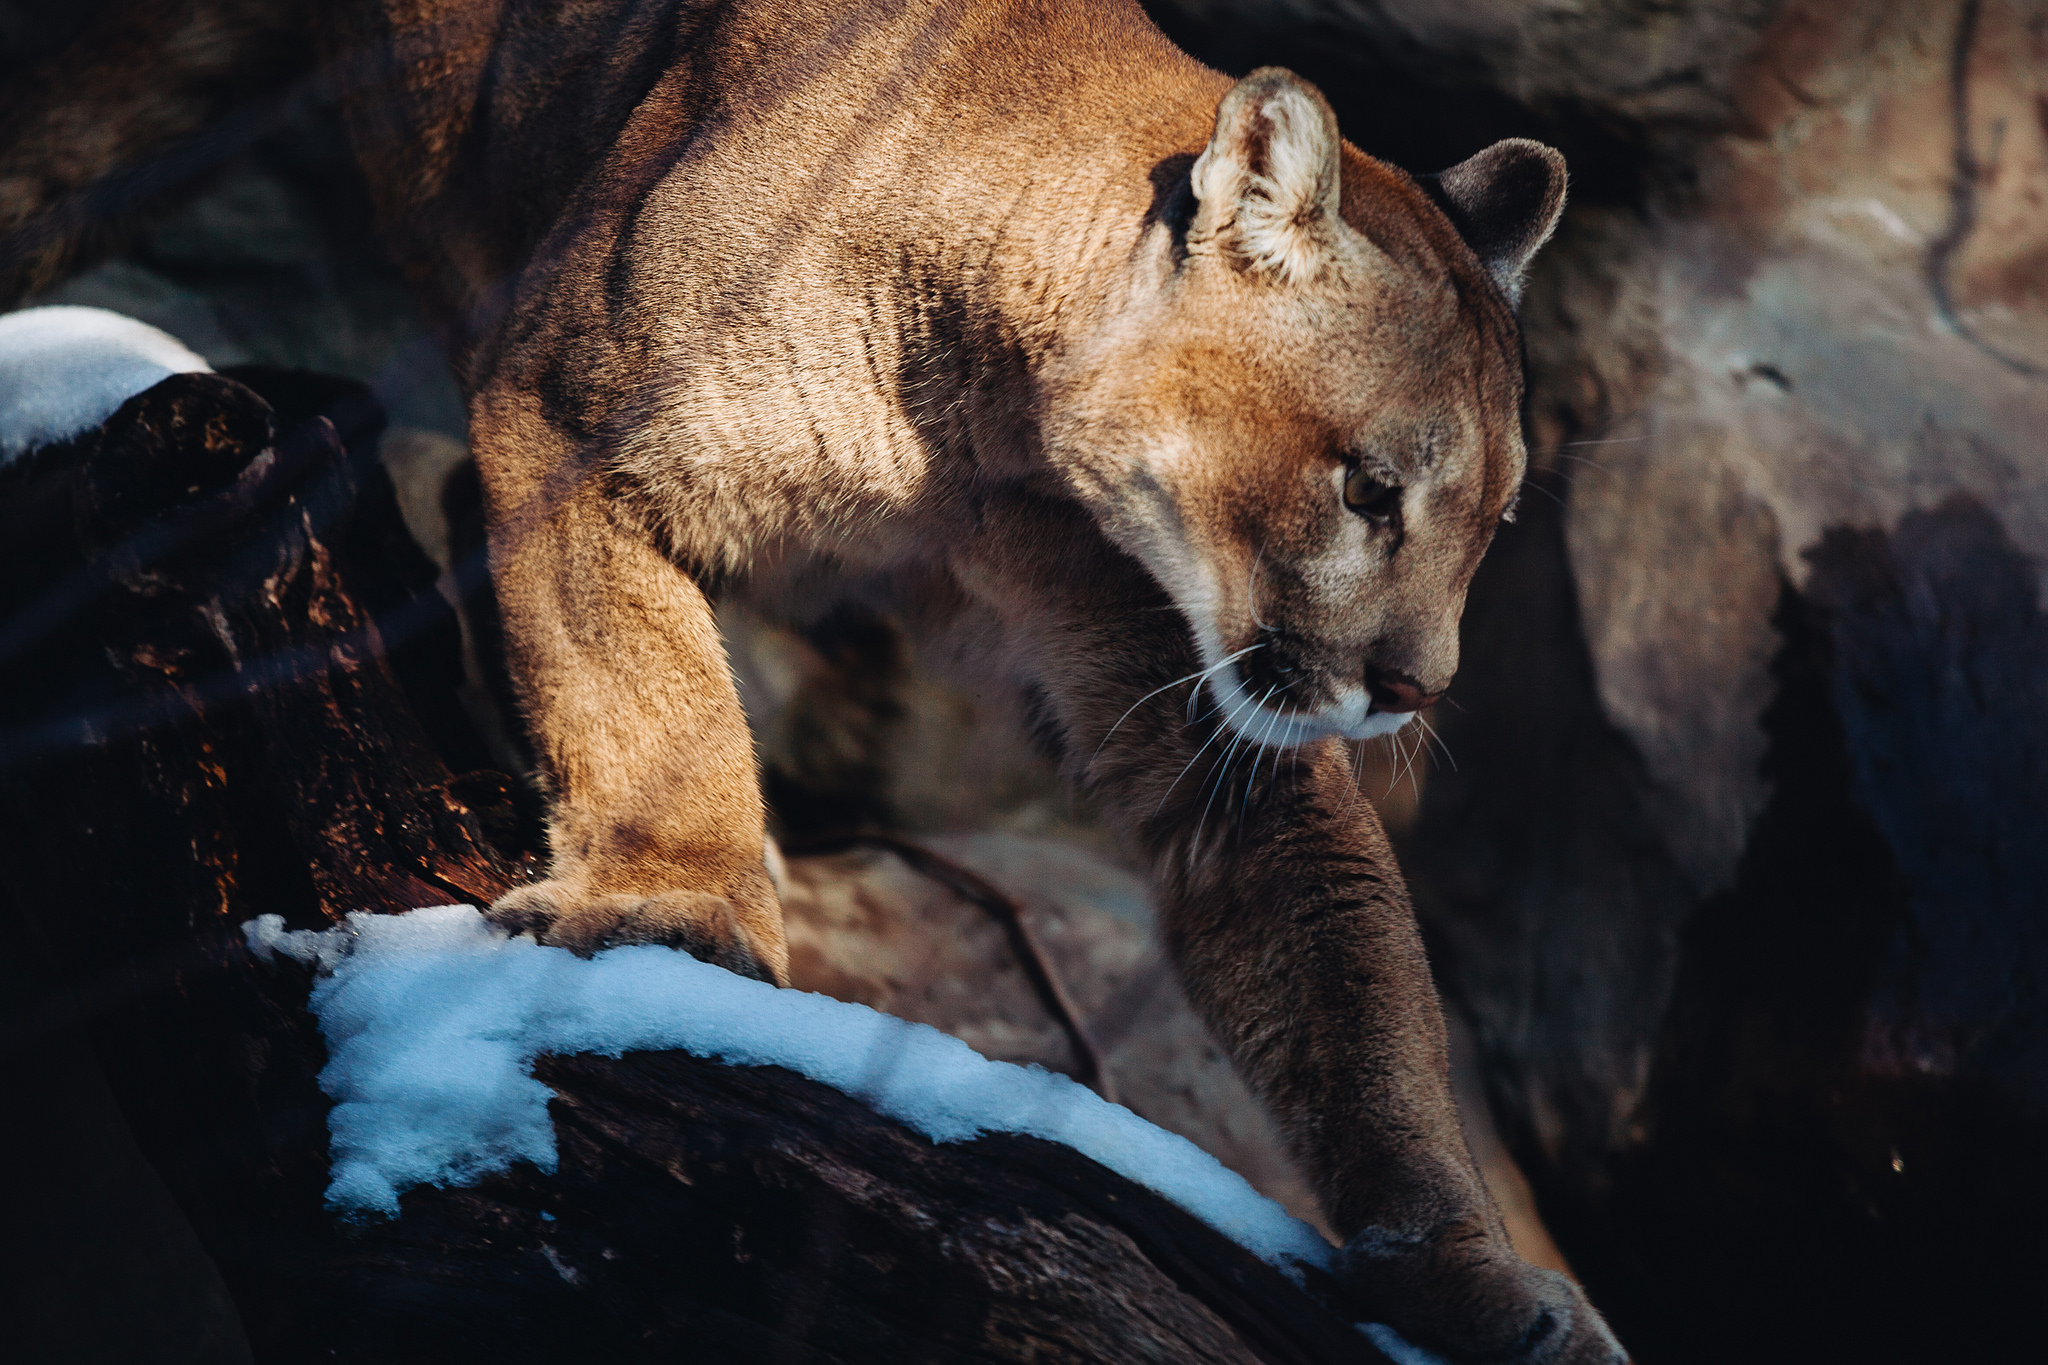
x,y
559,913
1471,1301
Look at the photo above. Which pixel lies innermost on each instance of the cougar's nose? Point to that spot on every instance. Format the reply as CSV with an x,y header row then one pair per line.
x,y
1396,692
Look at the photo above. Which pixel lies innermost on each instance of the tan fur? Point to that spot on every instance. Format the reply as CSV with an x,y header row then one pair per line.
x,y
1015,316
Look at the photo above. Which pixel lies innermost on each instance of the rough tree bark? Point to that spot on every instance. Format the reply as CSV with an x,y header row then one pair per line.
x,y
217,649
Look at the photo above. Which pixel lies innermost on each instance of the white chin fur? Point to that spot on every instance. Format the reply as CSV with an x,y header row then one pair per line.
x,y
1352,718
1380,723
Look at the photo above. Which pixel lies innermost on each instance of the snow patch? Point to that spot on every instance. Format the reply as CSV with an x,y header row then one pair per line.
x,y
65,370
433,1020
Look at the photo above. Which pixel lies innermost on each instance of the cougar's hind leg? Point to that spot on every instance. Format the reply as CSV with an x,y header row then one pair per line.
x,y
656,827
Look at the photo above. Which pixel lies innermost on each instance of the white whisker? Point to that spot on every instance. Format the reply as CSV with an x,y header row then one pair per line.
x,y
1430,730
1407,768
1273,718
1222,773
1221,728
1357,774
1219,777
1198,673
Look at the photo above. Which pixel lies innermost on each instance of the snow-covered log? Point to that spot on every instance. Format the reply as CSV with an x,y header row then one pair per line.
x,y
201,725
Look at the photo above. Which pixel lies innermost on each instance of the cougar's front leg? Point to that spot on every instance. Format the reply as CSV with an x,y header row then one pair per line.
x,y
1287,916
1283,908
655,822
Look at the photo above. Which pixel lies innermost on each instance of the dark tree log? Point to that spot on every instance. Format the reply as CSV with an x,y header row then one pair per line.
x,y
198,725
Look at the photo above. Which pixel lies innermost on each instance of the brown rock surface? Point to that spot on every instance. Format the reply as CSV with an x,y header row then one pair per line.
x,y
1844,324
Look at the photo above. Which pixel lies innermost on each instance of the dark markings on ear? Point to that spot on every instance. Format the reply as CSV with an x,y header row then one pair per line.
x,y
1505,203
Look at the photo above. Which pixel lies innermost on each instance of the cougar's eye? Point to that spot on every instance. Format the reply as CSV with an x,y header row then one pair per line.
x,y
1376,501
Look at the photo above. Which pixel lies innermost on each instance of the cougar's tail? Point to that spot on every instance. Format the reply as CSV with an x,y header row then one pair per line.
x,y
152,94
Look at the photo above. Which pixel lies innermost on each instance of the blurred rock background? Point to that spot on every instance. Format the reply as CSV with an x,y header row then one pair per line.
x,y
1738,889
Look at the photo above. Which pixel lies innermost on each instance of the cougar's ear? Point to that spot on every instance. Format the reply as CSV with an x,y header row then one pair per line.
x,y
1266,188
1505,202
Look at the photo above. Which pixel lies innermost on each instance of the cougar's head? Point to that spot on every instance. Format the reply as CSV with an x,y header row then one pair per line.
x,y
1303,413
